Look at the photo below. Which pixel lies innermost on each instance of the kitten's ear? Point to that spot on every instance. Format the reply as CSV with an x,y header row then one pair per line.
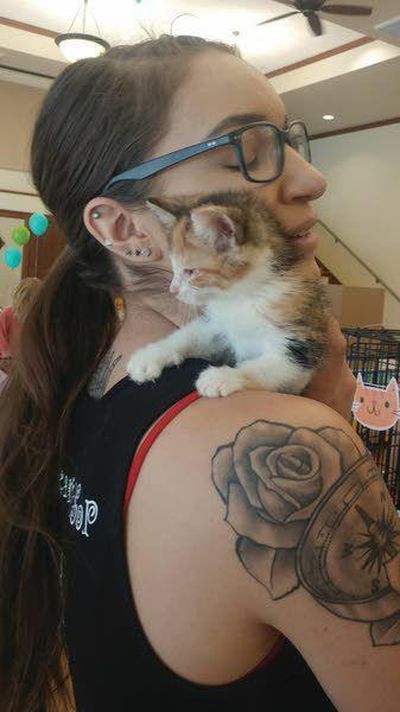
x,y
216,228
360,379
164,211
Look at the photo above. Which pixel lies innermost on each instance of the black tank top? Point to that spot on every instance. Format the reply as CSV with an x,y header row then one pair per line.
x,y
113,666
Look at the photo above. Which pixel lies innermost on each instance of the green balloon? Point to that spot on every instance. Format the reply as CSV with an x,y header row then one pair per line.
x,y
21,235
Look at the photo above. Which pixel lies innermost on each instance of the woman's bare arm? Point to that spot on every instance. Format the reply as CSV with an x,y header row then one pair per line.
x,y
279,496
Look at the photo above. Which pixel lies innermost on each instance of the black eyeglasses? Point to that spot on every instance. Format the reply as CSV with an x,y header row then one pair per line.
x,y
258,152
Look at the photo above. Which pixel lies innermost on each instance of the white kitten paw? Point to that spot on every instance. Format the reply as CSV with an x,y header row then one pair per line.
x,y
148,363
219,381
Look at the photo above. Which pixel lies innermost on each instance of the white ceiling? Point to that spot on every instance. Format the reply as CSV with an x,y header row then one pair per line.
x,y
358,87
268,47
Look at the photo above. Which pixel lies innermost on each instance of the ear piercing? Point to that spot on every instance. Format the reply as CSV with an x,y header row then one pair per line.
x,y
144,252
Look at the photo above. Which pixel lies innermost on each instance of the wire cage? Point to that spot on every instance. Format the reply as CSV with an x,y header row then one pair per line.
x,y
375,353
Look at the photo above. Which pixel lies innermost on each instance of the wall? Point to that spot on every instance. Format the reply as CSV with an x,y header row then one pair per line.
x,y
19,106
362,207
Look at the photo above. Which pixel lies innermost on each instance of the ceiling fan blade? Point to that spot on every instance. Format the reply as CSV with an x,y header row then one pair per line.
x,y
281,17
347,10
315,24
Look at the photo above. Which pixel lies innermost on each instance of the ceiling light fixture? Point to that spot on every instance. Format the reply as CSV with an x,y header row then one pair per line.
x,y
328,117
80,45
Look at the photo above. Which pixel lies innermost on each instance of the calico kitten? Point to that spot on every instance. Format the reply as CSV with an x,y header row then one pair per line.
x,y
260,301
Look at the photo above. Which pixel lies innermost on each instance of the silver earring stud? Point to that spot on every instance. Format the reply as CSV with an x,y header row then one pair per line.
x,y
95,214
145,252
107,242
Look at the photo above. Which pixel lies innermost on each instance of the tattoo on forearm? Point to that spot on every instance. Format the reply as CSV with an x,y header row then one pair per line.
x,y
100,378
311,509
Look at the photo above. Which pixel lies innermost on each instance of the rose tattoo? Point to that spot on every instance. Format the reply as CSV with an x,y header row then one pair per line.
x,y
340,541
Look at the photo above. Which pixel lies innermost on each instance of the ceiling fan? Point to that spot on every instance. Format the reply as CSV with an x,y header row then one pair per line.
x,y
311,8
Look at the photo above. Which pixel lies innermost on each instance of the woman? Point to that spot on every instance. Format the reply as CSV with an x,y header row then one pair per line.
x,y
11,319
203,583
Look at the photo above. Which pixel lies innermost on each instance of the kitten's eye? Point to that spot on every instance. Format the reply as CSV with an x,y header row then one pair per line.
x,y
362,399
387,404
188,272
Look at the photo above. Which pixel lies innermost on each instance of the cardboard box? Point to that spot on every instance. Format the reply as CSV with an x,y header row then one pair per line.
x,y
357,306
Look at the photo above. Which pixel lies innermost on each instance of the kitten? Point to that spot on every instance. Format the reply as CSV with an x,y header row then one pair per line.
x,y
375,407
260,301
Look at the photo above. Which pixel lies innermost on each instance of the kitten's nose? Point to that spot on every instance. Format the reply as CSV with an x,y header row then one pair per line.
x,y
173,288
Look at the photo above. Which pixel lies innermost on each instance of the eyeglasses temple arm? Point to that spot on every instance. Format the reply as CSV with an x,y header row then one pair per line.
x,y
156,165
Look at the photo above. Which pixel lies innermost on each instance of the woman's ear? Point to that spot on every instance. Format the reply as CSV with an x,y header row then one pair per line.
x,y
120,231
108,222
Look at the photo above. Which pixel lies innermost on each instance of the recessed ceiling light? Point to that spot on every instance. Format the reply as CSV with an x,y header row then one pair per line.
x,y
328,117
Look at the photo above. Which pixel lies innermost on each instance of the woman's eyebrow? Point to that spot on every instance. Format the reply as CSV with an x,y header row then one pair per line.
x,y
239,120
235,120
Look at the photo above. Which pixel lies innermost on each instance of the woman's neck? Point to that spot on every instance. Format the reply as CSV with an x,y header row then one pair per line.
x,y
146,319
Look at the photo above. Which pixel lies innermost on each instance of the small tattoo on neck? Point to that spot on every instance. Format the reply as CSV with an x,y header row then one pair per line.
x,y
98,382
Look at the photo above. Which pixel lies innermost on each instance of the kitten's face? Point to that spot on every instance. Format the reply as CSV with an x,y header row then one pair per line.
x,y
210,253
376,408
206,256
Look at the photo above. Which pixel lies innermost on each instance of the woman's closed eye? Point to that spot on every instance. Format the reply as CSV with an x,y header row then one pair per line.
x,y
226,157
252,162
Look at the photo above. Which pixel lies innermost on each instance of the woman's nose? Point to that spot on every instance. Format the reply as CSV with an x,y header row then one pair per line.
x,y
301,181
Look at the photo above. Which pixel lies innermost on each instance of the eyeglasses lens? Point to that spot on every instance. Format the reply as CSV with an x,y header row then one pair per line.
x,y
261,152
261,149
299,141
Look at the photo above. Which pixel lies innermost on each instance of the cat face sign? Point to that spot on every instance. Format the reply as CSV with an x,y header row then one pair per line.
x,y
374,407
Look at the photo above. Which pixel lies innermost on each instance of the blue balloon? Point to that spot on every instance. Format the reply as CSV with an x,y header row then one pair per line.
x,y
12,257
38,223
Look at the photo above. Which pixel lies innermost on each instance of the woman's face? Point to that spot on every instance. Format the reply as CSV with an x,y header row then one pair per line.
x,y
218,87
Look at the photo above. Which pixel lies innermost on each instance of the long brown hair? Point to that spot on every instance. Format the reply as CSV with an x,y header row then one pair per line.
x,y
99,117
24,295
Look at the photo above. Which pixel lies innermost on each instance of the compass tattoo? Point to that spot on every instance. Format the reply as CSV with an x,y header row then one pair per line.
x,y
311,509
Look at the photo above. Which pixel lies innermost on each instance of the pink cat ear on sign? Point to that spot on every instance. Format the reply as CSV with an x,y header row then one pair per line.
x,y
163,211
392,386
360,379
214,227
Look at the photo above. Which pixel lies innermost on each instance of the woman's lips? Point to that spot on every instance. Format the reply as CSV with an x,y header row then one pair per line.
x,y
306,242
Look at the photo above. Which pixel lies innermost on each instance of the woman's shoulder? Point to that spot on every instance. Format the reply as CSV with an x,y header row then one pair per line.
x,y
212,418
192,440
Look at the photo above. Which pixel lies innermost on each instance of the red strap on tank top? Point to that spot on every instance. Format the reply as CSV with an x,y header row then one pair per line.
x,y
148,441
